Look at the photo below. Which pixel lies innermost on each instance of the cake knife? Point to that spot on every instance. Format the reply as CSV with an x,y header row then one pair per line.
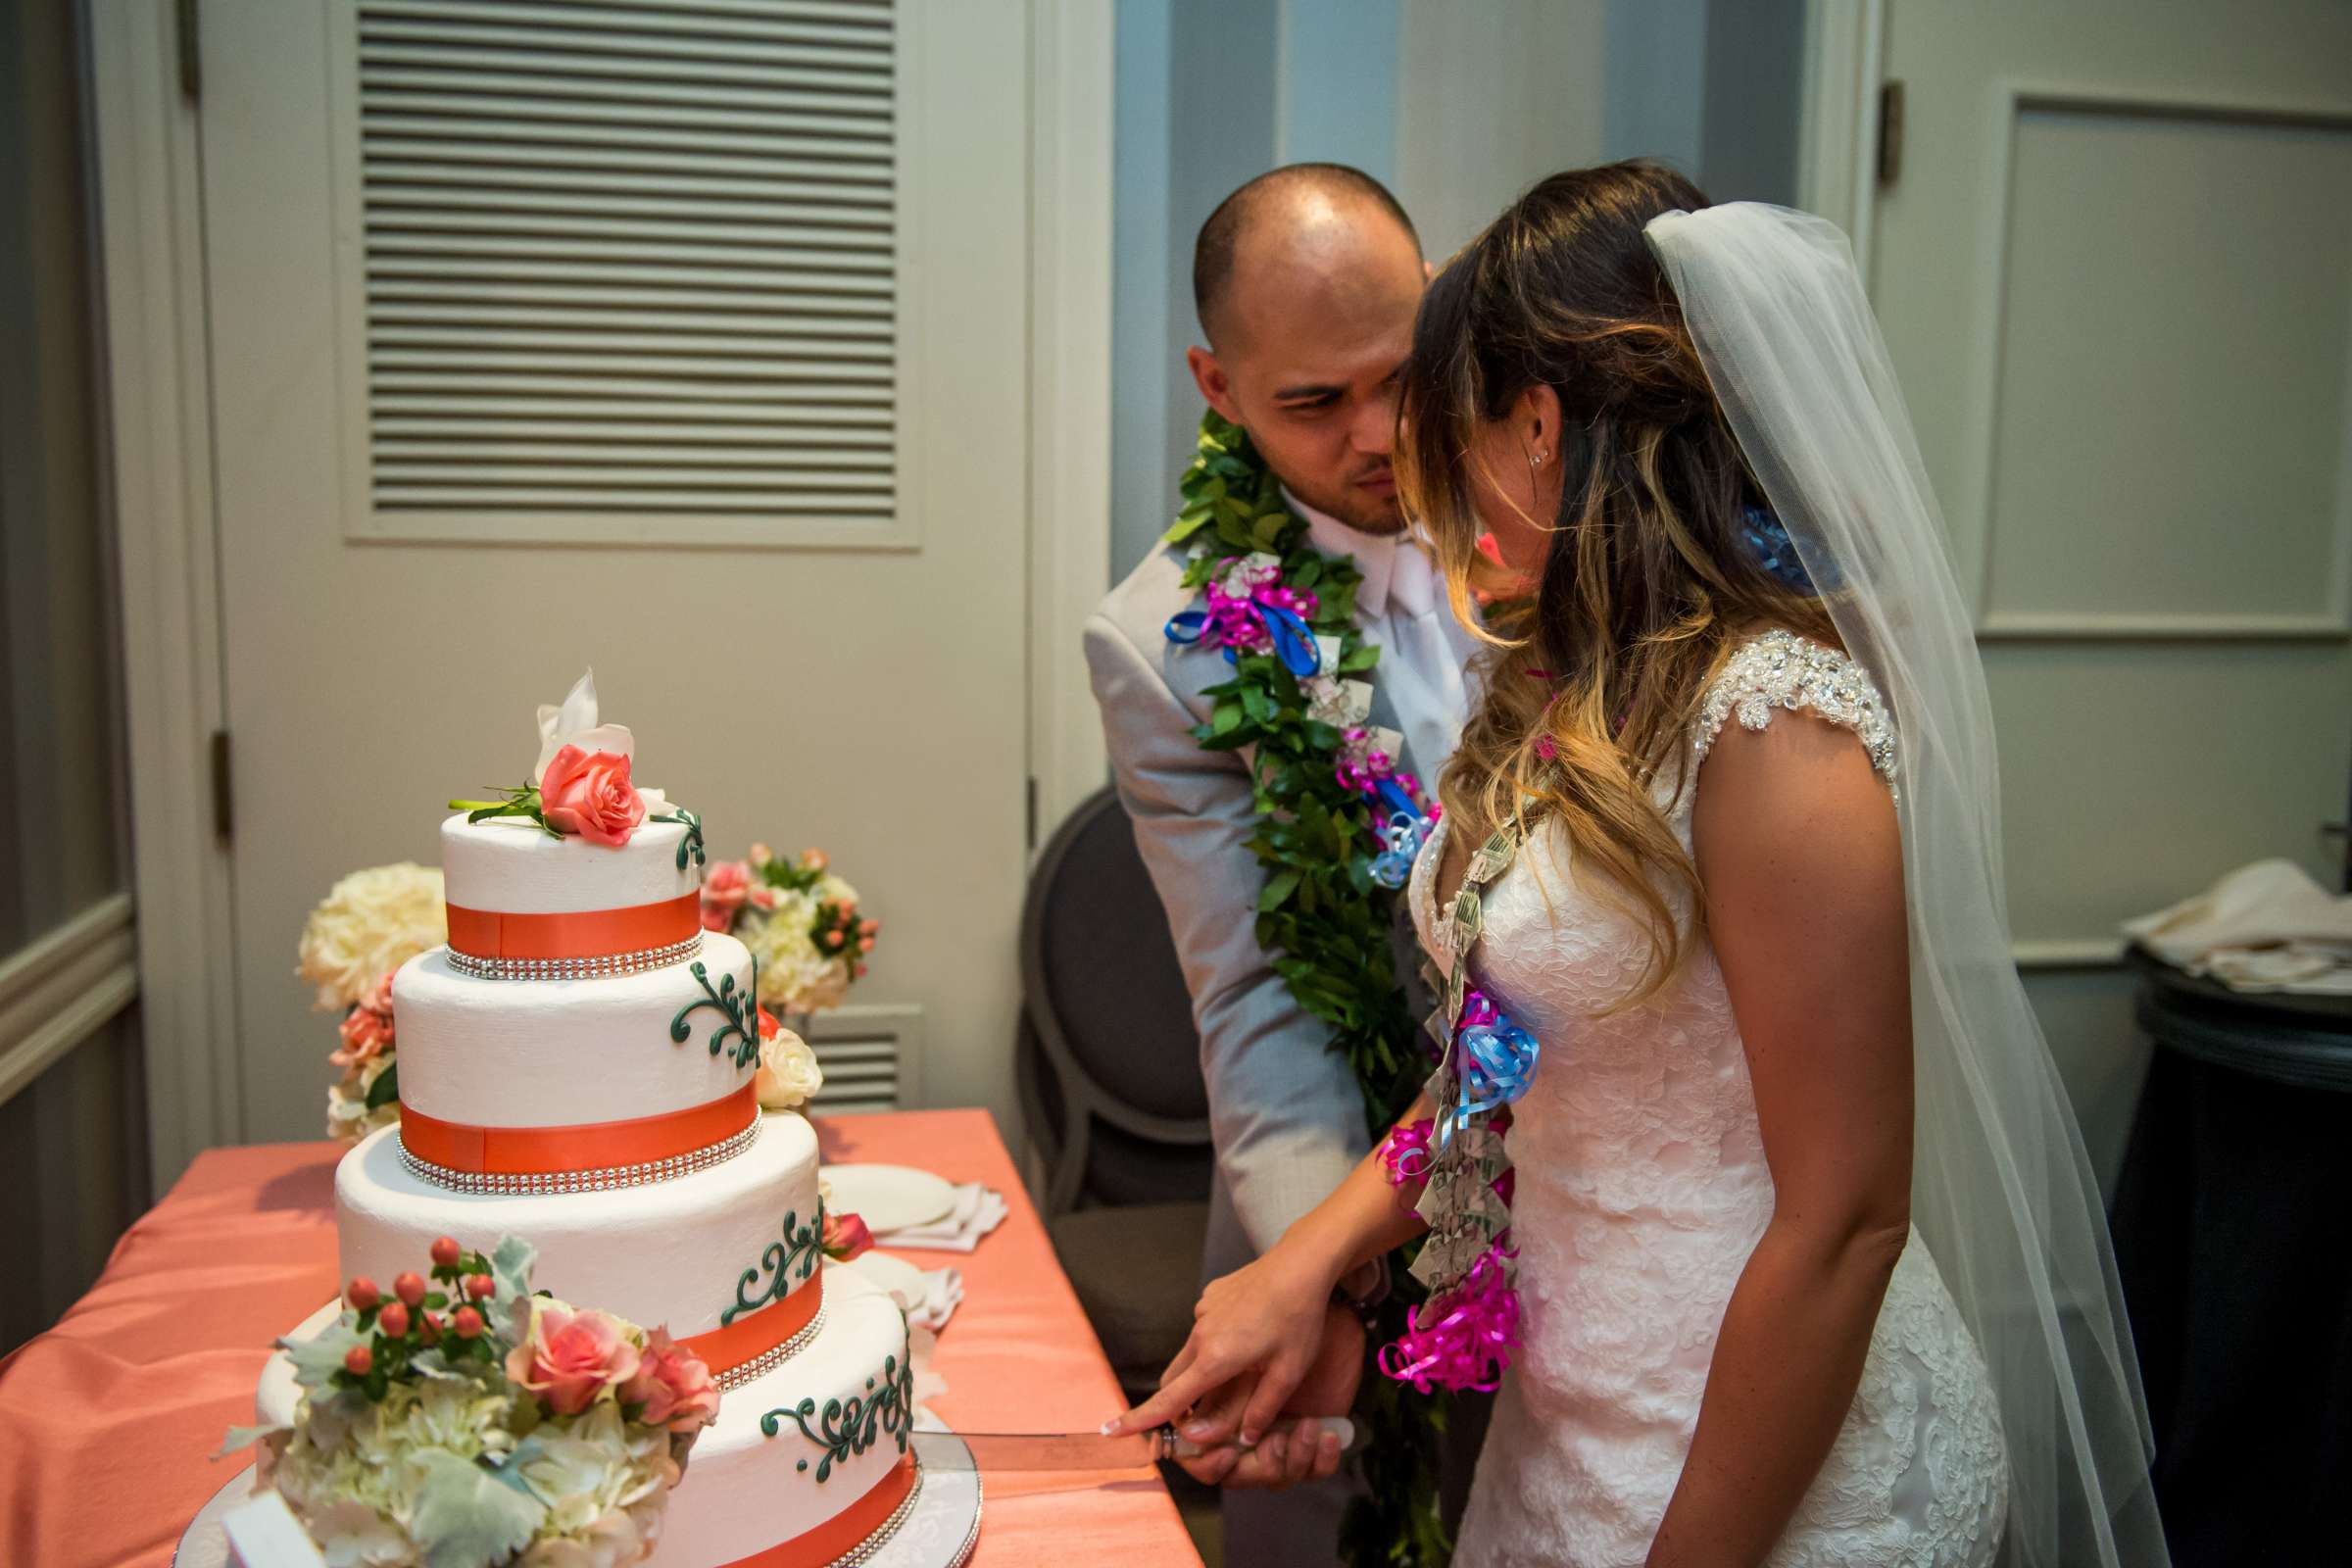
x,y
1074,1451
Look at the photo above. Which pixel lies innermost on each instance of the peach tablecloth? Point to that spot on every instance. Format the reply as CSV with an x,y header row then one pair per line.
x,y
107,1420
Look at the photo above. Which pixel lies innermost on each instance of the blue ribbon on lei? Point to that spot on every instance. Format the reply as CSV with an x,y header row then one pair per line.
x,y
1400,843
1499,1063
1294,641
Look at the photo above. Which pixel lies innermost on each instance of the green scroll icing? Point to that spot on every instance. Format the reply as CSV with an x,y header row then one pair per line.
x,y
691,846
738,1007
854,1425
797,1251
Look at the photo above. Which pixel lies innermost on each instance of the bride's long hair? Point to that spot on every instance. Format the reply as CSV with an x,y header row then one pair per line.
x,y
1593,669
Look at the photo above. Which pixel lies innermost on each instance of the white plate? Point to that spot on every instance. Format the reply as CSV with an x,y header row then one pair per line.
x,y
888,1197
899,1277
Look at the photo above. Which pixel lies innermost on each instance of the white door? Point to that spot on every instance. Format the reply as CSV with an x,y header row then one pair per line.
x,y
2115,271
682,341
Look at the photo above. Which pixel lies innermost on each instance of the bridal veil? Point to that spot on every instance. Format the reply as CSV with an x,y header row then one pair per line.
x,y
2003,1191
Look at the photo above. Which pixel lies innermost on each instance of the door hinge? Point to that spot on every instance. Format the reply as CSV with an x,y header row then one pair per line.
x,y
191,51
1032,808
1890,131
224,816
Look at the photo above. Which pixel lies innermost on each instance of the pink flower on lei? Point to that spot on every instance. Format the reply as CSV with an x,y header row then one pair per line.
x,y
367,1027
725,889
589,794
571,1357
674,1385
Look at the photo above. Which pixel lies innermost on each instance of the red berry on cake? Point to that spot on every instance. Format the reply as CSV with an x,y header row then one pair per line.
x,y
361,1292
467,1322
446,1252
358,1360
410,1286
480,1286
431,1329
393,1319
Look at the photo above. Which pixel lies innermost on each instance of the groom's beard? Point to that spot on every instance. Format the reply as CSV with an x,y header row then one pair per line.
x,y
1365,502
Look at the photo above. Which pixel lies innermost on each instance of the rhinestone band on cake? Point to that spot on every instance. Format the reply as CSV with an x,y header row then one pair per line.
x,y
580,1180
736,1375
597,968
889,1527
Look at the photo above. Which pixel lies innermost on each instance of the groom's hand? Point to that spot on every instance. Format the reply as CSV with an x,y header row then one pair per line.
x,y
1290,1452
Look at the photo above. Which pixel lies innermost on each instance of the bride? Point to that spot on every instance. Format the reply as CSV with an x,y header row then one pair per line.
x,y
1802,1260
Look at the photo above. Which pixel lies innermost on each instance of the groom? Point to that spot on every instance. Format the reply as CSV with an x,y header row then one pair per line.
x,y
1305,281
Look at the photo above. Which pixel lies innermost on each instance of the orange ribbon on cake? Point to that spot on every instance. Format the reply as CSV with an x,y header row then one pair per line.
x,y
845,1532
587,934
723,1350
583,1146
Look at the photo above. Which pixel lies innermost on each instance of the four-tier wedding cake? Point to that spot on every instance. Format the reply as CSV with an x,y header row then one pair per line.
x,y
576,1070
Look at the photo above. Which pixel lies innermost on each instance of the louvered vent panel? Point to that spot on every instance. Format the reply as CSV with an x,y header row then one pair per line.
x,y
870,1055
630,257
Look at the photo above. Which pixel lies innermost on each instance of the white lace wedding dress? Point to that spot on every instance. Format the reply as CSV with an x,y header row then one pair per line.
x,y
1641,1191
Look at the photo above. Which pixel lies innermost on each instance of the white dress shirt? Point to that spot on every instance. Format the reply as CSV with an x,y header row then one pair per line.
x,y
1401,607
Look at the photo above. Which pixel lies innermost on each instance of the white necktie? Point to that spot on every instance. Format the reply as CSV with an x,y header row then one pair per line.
x,y
1422,669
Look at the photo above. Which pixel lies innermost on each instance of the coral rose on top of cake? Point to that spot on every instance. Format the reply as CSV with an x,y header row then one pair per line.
x,y
581,787
462,1422
800,920
371,923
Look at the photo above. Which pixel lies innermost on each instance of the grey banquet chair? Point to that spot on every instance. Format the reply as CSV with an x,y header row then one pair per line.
x,y
1109,1068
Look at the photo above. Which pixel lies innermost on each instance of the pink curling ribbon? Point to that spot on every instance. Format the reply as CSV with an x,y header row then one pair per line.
x,y
1372,772
1248,610
1466,1338
1406,1154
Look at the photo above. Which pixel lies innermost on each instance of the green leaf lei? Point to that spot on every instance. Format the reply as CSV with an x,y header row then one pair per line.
x,y
1323,918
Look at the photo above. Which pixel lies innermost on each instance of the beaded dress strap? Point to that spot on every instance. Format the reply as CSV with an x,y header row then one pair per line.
x,y
1781,670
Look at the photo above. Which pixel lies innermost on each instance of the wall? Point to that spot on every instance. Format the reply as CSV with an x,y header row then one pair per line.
x,y
1495,97
72,1110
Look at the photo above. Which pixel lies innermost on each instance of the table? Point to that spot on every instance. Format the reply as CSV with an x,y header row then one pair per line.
x,y
2229,1237
106,1421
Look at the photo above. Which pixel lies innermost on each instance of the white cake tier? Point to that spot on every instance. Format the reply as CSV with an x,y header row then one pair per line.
x,y
567,1053
747,1491
512,865
719,1248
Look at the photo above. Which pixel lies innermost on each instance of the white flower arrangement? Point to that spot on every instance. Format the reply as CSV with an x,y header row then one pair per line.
x,y
799,920
369,924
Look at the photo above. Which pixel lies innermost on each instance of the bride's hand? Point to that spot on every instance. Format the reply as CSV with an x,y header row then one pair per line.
x,y
1262,1323
1292,1451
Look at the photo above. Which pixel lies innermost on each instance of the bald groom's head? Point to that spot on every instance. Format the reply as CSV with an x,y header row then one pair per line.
x,y
1306,280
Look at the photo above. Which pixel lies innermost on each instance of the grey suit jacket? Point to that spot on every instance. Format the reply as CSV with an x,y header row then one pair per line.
x,y
1284,1109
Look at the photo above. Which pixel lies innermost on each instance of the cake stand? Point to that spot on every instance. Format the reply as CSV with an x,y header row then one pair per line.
x,y
939,1530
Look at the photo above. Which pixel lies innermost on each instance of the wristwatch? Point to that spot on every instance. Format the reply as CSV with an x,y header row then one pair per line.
x,y
1363,1288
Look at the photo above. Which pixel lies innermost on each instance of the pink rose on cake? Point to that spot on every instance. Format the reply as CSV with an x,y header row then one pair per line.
x,y
571,1357
588,794
846,1236
725,886
672,1385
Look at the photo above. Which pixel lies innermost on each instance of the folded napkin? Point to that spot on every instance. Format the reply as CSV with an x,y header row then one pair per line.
x,y
943,1293
922,1348
2264,927
929,1299
978,1210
